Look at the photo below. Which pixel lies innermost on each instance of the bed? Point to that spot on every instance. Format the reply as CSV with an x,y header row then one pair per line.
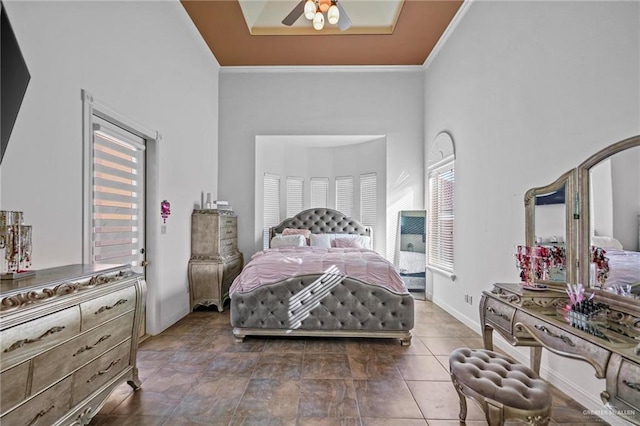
x,y
319,291
623,276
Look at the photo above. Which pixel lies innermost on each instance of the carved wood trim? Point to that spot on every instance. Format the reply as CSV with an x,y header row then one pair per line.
x,y
20,300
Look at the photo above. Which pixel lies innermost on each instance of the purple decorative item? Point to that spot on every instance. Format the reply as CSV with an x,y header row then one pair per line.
x,y
165,210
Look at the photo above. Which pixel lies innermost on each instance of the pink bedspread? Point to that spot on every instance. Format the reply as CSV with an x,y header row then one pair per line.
x,y
276,264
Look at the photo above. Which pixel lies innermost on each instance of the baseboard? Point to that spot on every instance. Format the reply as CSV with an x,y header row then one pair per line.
x,y
174,318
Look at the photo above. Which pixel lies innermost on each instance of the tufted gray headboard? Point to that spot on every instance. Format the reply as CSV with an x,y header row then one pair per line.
x,y
322,221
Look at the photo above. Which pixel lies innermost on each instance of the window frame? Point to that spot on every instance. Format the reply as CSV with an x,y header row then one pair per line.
x,y
444,266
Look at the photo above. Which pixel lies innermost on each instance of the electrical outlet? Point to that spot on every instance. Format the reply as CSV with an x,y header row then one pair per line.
x,y
163,229
470,299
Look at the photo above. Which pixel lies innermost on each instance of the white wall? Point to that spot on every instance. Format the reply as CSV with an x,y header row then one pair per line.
x,y
285,158
146,61
528,90
337,101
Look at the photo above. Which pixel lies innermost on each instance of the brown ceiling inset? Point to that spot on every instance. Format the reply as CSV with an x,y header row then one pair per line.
x,y
419,27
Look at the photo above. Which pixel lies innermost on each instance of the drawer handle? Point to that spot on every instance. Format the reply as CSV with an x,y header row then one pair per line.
x,y
632,385
105,371
42,413
494,312
562,337
229,231
21,343
106,308
87,347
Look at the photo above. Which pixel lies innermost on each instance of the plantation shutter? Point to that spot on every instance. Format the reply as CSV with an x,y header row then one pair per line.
x,y
344,195
440,214
368,199
117,195
319,192
295,194
271,205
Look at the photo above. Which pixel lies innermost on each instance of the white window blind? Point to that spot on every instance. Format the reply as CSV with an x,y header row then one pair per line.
x,y
344,194
117,199
295,195
319,191
368,199
441,217
271,205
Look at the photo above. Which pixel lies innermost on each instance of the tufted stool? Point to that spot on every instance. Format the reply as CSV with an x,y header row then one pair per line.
x,y
504,388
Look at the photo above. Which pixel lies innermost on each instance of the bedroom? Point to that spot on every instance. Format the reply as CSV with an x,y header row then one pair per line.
x,y
528,90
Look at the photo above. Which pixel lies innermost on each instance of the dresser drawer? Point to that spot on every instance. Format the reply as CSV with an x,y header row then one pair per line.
x,y
228,246
13,386
228,232
62,360
100,371
97,311
26,340
44,409
628,384
564,343
228,221
499,315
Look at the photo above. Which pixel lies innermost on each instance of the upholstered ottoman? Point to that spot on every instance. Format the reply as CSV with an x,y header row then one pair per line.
x,y
504,388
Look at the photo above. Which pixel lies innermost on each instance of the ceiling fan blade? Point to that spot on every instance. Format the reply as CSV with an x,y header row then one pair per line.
x,y
344,23
294,14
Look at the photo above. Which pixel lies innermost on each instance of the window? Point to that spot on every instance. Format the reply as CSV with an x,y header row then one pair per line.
x,y
117,194
271,199
441,216
344,194
368,199
295,195
319,192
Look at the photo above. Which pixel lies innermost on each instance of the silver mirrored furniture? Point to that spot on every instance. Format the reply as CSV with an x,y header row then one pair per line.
x,y
538,319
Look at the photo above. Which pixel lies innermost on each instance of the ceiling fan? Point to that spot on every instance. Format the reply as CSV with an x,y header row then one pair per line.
x,y
314,10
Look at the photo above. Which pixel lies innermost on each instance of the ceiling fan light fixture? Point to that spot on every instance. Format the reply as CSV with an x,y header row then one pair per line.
x,y
323,5
333,15
310,9
318,21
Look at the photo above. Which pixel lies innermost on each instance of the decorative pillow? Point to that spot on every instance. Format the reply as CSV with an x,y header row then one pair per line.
x,y
288,240
320,240
364,240
606,242
293,231
347,242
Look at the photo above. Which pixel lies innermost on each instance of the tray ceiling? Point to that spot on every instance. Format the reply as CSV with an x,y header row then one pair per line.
x,y
383,32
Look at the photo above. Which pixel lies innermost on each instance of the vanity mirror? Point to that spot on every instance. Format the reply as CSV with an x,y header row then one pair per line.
x,y
549,222
609,191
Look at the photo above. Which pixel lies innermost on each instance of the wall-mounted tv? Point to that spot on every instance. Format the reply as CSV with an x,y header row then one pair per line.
x,y
14,78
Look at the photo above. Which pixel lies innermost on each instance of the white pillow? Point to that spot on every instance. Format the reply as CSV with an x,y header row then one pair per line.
x,y
320,240
288,240
606,242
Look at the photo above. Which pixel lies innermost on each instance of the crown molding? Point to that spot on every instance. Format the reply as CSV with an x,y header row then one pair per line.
x,y
323,68
447,32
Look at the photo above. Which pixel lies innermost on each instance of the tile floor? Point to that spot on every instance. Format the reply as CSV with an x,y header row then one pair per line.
x,y
195,374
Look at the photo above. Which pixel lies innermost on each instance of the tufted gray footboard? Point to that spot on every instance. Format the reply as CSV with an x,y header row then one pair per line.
x,y
322,305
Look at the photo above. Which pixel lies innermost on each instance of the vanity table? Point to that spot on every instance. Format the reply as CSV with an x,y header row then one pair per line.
x,y
593,203
534,319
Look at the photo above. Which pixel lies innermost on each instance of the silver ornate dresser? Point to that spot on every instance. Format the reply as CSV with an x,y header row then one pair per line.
x,y
215,259
68,337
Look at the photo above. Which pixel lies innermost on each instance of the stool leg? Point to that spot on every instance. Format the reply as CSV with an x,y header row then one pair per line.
x,y
463,399
494,414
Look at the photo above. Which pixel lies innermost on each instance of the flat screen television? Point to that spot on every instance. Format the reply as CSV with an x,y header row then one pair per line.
x,y
14,78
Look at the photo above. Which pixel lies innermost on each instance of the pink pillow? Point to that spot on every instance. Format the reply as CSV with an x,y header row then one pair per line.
x,y
293,231
347,242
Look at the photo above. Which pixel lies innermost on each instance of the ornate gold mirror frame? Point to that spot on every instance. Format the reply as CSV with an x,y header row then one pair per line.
x,y
628,305
568,182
